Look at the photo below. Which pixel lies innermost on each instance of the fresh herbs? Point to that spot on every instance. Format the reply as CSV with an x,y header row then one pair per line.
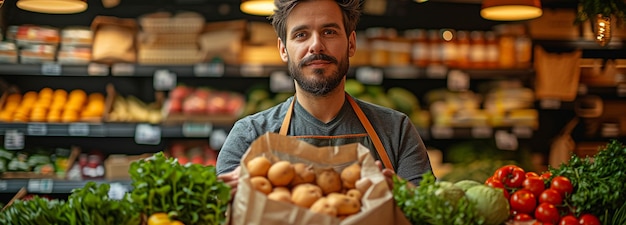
x,y
35,211
423,204
190,193
590,8
598,181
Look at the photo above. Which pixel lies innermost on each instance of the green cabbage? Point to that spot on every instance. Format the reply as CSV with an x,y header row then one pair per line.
x,y
466,184
489,203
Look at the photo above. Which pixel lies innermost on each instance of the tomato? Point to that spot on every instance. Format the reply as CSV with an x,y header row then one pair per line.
x,y
531,174
569,220
546,175
588,219
562,184
547,213
495,183
541,223
522,217
511,175
534,185
523,201
551,196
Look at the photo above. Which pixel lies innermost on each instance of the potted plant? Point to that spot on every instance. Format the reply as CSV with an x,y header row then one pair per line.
x,y
600,13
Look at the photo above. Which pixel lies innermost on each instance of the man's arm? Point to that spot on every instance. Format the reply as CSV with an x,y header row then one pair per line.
x,y
413,159
237,142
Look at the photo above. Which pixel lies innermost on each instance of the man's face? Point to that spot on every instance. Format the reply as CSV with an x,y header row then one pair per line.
x,y
317,46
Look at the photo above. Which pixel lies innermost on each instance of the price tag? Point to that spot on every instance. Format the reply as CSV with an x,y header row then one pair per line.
x,y
582,89
369,75
97,69
164,80
197,129
252,70
458,81
217,139
522,132
78,129
40,186
621,90
209,70
123,69
13,140
147,134
51,69
436,71
550,104
482,132
506,140
37,129
3,185
440,132
281,82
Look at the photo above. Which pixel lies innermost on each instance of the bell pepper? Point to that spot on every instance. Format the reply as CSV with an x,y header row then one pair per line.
x,y
162,219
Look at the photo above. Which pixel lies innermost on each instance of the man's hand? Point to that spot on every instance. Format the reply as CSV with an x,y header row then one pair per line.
x,y
388,173
231,179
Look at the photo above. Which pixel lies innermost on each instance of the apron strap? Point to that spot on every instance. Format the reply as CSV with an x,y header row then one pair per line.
x,y
372,133
380,149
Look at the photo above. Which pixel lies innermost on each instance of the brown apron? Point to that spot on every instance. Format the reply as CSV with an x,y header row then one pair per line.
x,y
352,138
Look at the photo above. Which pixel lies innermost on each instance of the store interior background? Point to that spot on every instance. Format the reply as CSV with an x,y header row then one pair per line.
x,y
399,14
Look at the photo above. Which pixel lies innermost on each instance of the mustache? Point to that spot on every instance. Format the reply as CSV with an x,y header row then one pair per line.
x,y
312,58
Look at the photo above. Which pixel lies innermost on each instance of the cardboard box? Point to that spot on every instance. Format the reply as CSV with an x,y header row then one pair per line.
x,y
116,166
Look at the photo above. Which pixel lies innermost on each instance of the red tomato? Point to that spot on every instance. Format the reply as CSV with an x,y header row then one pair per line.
x,y
541,223
523,201
494,183
569,220
562,184
512,176
547,213
534,185
522,217
531,174
546,175
588,219
551,196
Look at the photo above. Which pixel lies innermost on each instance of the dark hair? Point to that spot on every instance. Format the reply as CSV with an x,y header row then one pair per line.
x,y
349,8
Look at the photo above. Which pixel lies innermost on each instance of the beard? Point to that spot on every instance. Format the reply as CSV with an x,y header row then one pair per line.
x,y
319,84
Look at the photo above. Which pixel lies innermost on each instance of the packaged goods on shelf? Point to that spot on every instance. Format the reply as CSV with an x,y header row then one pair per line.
x,y
76,36
116,166
223,40
8,52
113,40
38,53
35,34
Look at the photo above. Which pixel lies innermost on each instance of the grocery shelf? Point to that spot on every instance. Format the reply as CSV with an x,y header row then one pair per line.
x,y
54,69
52,186
478,132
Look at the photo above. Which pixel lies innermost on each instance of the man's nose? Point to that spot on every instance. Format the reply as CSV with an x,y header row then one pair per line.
x,y
317,44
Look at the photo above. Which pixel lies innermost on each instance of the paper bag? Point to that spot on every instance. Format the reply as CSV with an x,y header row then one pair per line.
x,y
251,207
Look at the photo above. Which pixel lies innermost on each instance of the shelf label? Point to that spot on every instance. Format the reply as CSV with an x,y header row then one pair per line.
x,y
13,140
621,90
505,140
369,75
281,82
251,70
458,80
3,185
78,129
51,69
208,70
164,80
217,139
482,132
97,69
37,129
40,186
197,129
147,134
550,103
436,71
123,69
440,132
522,132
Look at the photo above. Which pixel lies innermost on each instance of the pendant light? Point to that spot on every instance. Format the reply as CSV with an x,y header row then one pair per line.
x,y
511,10
257,7
53,6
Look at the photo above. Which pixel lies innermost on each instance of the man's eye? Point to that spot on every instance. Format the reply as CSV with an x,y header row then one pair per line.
x,y
327,32
299,35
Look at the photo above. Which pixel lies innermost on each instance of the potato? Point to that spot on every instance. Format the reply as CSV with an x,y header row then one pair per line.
x,y
350,175
345,205
281,173
261,184
329,181
304,174
354,193
280,194
258,166
306,194
322,206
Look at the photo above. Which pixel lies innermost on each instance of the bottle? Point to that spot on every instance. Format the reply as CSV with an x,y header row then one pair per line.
x,y
434,43
420,50
491,50
477,50
449,49
463,49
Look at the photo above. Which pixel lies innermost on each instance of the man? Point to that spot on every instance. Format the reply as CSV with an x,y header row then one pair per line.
x,y
316,39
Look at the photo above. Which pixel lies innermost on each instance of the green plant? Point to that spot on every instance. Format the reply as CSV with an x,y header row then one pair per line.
x,y
590,8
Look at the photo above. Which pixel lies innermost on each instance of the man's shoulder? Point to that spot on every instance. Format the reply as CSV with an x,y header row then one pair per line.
x,y
268,116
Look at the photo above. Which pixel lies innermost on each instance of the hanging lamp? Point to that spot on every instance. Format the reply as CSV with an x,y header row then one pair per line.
x,y
257,7
511,10
53,6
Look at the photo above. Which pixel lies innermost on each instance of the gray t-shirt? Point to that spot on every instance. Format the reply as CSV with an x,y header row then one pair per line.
x,y
398,135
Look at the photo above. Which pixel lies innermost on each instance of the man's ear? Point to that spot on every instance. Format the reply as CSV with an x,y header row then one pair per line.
x,y
352,44
282,50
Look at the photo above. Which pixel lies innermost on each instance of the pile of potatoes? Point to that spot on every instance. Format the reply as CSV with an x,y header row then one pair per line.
x,y
324,191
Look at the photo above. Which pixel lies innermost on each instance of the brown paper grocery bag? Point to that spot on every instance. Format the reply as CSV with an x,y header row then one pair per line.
x,y
250,207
